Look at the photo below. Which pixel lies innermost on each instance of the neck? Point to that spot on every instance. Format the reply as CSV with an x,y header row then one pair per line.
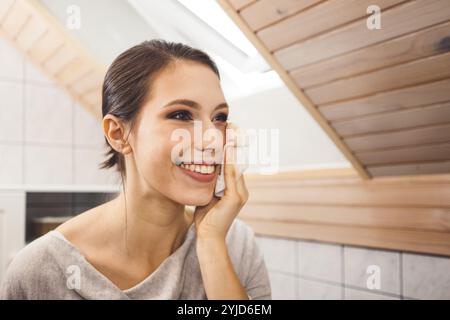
x,y
152,227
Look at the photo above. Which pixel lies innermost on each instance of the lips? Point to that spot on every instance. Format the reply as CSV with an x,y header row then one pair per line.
x,y
201,173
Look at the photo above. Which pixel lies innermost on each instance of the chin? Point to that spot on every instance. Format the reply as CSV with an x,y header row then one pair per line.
x,y
199,199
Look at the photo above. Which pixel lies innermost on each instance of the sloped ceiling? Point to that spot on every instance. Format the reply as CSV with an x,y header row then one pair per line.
x,y
383,95
36,33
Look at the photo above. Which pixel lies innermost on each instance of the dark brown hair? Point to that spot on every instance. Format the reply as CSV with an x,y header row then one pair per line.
x,y
128,82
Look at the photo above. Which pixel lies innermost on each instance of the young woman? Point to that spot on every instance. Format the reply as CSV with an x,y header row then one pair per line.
x,y
145,244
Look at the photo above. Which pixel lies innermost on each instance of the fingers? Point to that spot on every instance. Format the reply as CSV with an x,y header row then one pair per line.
x,y
229,170
242,190
235,164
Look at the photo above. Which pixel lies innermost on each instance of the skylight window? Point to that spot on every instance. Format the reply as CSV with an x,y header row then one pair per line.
x,y
212,14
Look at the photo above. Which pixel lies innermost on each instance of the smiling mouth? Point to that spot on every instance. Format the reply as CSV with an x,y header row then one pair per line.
x,y
200,172
199,168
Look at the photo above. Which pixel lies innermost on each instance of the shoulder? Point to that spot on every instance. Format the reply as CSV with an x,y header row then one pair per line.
x,y
240,233
248,260
81,225
27,267
242,245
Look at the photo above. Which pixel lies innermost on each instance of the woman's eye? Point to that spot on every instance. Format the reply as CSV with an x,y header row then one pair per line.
x,y
180,115
222,117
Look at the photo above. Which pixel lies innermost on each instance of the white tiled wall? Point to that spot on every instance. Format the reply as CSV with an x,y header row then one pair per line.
x,y
2,232
45,137
12,232
308,270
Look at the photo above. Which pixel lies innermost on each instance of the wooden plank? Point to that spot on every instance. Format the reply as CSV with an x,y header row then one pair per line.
x,y
5,7
433,152
41,38
88,82
325,16
31,33
387,195
419,71
405,240
94,97
265,12
403,213
438,167
314,174
407,48
280,181
15,20
239,4
429,93
425,116
46,46
73,71
400,20
434,219
298,93
420,136
59,59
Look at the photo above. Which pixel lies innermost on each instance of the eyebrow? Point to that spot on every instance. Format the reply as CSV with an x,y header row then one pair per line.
x,y
193,104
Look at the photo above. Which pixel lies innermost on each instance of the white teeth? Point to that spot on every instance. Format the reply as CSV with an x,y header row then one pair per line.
x,y
204,169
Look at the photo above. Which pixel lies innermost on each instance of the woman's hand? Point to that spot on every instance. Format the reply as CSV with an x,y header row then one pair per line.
x,y
213,220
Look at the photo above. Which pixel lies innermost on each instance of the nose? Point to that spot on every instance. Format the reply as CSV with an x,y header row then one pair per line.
x,y
208,141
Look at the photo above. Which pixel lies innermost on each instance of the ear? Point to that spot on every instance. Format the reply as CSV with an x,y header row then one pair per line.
x,y
114,131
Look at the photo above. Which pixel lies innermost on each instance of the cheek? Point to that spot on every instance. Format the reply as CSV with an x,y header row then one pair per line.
x,y
155,164
156,156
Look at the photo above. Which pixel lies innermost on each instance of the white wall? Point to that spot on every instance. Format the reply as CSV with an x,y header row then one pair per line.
x,y
12,226
45,137
303,144
46,142
310,270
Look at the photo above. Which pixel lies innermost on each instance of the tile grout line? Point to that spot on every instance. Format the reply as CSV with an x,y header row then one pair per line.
x,y
72,104
342,272
401,274
336,284
24,118
297,268
46,144
72,198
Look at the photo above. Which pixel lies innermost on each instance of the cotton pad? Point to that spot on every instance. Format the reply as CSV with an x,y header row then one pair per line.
x,y
240,144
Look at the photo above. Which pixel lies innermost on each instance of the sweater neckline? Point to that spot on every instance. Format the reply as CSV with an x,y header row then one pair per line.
x,y
93,273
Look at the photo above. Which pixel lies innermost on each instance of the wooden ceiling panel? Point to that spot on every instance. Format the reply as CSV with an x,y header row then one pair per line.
x,y
402,119
263,13
59,59
318,19
239,4
403,138
415,72
33,30
40,37
46,45
383,96
410,97
15,20
406,155
419,168
413,46
399,20
5,7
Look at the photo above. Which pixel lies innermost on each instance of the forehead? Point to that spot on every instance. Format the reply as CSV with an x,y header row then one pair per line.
x,y
187,80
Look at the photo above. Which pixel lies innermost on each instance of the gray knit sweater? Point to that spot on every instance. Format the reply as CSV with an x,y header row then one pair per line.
x,y
50,267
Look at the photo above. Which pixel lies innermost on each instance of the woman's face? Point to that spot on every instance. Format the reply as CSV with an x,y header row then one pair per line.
x,y
156,151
